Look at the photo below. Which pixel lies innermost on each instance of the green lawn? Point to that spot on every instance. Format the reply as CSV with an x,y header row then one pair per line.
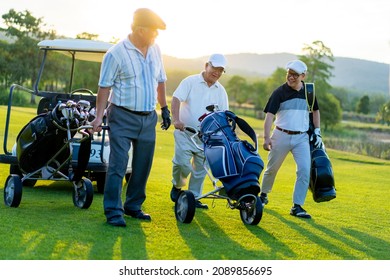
x,y
354,226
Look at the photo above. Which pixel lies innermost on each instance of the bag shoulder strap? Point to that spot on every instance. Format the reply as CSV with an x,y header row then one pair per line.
x,y
244,126
310,95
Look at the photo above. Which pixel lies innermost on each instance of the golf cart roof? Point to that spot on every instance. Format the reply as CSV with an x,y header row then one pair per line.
x,y
80,49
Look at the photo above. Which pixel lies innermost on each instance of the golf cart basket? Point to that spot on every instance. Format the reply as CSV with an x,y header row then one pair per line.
x,y
236,163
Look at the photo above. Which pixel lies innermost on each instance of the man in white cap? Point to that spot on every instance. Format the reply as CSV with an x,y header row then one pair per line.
x,y
189,102
289,107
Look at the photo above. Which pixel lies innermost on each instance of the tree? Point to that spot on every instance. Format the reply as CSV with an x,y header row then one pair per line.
x,y
87,36
27,32
260,94
237,88
277,78
4,63
331,113
363,105
383,115
317,59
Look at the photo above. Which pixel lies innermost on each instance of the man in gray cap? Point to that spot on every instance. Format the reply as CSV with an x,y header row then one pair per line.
x,y
289,107
132,81
189,102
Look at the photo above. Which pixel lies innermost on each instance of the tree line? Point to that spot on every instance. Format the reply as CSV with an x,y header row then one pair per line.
x,y
20,60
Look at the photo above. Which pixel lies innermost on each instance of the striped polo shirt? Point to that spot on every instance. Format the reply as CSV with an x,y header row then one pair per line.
x,y
133,79
290,107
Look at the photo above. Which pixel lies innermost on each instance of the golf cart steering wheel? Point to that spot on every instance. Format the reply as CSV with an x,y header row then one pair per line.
x,y
82,90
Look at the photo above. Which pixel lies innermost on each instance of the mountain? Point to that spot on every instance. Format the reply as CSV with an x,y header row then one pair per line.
x,y
357,74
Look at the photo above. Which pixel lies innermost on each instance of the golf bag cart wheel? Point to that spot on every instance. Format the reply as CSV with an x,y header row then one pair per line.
x,y
185,207
83,194
252,211
13,191
14,169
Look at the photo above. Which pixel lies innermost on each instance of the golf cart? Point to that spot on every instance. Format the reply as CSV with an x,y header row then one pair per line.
x,y
67,104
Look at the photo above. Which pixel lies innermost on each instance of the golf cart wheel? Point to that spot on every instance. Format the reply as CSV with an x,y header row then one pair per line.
x,y
251,211
14,169
83,194
185,207
13,191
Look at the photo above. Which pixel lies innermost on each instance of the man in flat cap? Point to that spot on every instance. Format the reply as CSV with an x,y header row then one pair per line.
x,y
132,81
289,107
189,102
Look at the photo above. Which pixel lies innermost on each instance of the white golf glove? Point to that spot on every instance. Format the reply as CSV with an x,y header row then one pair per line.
x,y
316,137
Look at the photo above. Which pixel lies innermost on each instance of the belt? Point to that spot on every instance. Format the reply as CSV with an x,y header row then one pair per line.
x,y
289,131
140,113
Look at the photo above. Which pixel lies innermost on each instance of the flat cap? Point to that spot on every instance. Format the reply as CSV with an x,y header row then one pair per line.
x,y
147,18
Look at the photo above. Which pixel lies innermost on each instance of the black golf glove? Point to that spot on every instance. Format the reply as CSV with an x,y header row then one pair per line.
x,y
166,118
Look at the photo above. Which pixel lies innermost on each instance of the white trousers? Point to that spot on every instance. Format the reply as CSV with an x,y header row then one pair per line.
x,y
188,159
282,144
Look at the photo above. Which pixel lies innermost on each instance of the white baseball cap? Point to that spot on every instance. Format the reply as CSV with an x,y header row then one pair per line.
x,y
218,60
297,66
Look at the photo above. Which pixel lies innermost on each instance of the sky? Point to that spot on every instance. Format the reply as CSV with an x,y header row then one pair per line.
x,y
350,28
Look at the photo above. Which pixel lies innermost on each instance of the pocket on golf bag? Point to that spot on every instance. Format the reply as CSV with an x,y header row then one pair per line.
x,y
220,160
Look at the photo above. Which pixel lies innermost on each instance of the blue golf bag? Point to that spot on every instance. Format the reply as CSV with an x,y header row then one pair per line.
x,y
236,163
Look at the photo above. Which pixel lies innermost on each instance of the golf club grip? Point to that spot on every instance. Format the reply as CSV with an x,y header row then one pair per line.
x,y
190,129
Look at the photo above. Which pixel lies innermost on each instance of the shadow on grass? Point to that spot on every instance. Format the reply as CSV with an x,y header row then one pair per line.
x,y
54,229
333,241
361,161
376,248
204,238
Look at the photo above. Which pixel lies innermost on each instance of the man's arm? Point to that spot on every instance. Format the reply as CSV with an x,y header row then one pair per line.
x,y
269,117
316,119
175,107
161,97
101,104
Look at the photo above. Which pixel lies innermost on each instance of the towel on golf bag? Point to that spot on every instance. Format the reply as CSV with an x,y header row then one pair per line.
x,y
322,183
236,163
42,138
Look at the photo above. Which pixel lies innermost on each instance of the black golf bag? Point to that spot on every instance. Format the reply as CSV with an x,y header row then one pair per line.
x,y
321,174
236,163
322,183
44,137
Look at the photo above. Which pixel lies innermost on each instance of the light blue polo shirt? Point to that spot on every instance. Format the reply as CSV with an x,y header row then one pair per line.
x,y
133,79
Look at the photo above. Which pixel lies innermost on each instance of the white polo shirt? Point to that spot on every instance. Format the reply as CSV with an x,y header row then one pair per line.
x,y
195,95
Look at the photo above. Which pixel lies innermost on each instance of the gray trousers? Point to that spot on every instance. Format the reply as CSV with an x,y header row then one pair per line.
x,y
128,129
282,144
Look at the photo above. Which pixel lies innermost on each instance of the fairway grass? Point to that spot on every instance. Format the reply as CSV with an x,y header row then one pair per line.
x,y
354,226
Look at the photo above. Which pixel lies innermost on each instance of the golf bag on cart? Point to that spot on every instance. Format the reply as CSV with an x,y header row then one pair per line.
x,y
42,140
236,163
322,183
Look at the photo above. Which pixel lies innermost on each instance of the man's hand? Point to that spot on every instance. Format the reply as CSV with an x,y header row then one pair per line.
x,y
166,118
316,138
267,145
